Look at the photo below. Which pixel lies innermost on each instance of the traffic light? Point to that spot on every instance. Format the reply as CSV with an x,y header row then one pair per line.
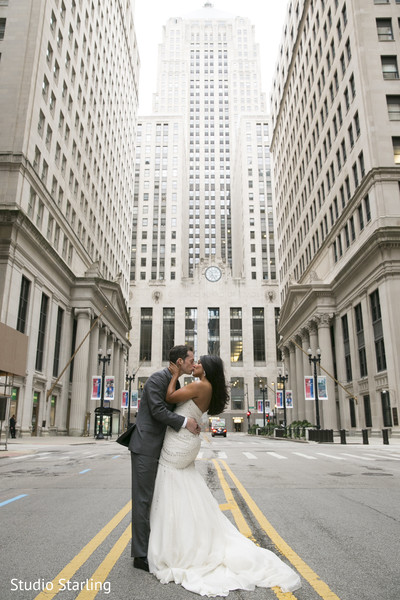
x,y
248,413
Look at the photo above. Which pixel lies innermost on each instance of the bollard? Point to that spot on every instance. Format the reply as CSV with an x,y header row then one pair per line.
x,y
365,436
343,436
385,435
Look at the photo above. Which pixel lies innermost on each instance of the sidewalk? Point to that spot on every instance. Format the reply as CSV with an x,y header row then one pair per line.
x,y
31,444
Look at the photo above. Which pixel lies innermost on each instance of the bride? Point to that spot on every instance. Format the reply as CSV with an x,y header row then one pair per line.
x,y
191,542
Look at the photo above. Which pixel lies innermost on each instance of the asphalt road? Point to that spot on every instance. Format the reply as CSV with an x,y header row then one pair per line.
x,y
332,511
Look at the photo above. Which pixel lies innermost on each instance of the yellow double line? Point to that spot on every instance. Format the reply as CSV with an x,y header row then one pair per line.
x,y
307,573
100,575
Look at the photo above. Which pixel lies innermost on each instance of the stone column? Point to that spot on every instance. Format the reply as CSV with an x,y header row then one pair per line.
x,y
292,381
329,408
307,370
301,409
81,372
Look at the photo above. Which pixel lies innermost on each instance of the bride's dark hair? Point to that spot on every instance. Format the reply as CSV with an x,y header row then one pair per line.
x,y
214,369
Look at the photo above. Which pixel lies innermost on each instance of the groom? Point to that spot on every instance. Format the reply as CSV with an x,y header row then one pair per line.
x,y
146,443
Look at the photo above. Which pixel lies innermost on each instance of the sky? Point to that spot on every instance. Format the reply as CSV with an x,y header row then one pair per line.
x,y
267,16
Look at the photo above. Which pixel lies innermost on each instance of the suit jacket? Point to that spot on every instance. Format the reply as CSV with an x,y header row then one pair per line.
x,y
154,415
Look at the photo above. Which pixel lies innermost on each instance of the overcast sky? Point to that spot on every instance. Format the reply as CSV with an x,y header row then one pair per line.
x,y
150,15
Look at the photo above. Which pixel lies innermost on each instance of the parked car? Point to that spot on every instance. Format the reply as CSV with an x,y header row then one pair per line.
x,y
218,431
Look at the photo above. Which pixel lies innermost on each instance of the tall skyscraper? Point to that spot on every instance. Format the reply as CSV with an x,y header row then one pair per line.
x,y
68,103
336,148
203,252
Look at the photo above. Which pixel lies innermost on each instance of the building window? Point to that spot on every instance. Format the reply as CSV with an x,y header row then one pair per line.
x,y
191,328
213,332
389,67
168,340
367,411
41,333
352,407
396,150
23,304
346,344
2,28
362,356
384,29
386,411
236,335
146,328
393,105
237,393
57,345
258,335
378,331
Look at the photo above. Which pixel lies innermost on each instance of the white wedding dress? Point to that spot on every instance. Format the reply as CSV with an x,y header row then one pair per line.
x,y
191,542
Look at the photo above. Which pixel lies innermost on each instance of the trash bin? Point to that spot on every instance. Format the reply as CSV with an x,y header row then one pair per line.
x,y
365,436
343,436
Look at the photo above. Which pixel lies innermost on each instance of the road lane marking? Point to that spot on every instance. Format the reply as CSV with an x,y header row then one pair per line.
x,y
23,456
356,456
305,456
102,572
200,455
382,457
231,504
331,456
116,456
76,563
13,499
222,455
249,455
309,575
84,471
276,455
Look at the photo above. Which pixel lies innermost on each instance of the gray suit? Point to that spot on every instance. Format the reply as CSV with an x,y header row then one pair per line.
x,y
154,415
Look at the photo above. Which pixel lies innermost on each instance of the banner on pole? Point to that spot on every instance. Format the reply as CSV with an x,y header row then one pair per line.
x,y
289,399
322,388
109,388
279,399
309,388
134,400
124,402
96,387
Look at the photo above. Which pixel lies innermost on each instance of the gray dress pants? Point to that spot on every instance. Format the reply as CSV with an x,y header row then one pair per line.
x,y
144,471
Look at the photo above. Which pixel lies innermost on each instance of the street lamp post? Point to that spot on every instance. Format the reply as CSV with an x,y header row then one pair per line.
x,y
282,379
130,379
315,360
104,360
263,389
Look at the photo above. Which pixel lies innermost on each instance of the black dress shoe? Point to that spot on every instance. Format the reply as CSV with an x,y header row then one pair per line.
x,y
141,562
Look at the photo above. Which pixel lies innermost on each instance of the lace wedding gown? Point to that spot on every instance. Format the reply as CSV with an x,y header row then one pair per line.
x,y
191,542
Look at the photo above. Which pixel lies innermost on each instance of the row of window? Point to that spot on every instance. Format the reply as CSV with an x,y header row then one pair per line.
x,y
213,332
377,334
348,234
24,298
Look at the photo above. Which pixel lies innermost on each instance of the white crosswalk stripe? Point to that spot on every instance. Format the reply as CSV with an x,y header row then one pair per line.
x,y
356,456
249,455
382,456
222,455
305,456
331,456
276,455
